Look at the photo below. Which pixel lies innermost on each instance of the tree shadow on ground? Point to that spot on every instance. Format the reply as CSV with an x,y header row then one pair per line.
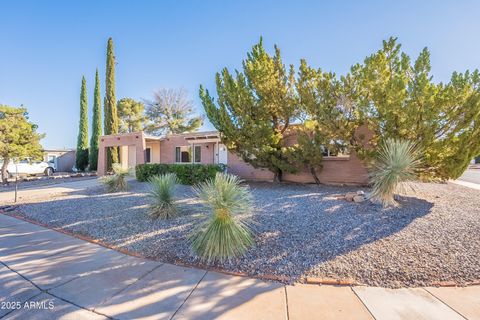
x,y
309,225
297,228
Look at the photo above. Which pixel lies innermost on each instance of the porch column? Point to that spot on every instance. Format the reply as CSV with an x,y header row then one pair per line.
x,y
102,159
140,147
192,150
217,155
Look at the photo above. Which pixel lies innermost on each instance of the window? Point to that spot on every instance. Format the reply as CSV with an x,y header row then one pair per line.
x,y
197,154
336,151
148,155
182,154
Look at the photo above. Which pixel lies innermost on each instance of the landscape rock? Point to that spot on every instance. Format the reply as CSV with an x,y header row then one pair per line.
x,y
300,231
358,198
350,195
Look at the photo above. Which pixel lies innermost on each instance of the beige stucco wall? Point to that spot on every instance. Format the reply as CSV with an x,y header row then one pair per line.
x,y
349,171
136,140
336,170
154,151
245,171
167,149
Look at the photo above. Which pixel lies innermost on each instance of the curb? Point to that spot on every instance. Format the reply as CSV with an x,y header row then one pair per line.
x,y
267,277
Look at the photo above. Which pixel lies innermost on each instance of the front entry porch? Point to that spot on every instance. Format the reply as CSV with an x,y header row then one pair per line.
x,y
139,148
131,146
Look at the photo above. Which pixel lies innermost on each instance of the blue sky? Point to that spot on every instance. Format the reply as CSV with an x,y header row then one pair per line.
x,y
46,46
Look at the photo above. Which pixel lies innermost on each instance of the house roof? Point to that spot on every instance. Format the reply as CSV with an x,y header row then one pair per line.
x,y
196,134
58,150
202,135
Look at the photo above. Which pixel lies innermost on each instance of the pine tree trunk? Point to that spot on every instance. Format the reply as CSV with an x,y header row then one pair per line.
x,y
4,170
277,177
314,175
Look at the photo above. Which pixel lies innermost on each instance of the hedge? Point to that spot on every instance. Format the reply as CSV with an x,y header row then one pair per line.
x,y
189,174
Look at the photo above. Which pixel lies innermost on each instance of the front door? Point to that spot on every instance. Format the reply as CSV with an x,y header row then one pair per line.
x,y
222,154
148,155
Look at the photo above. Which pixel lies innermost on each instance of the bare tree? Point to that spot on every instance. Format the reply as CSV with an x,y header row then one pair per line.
x,y
170,112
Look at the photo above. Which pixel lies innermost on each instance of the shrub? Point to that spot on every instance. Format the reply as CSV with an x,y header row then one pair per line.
x,y
396,163
224,235
116,182
188,174
161,192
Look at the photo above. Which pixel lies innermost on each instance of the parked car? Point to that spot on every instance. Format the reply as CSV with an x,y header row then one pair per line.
x,y
29,167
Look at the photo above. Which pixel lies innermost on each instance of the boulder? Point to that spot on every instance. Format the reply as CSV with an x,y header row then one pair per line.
x,y
350,195
358,198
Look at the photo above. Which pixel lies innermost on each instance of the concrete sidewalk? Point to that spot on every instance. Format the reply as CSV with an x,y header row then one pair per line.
x,y
45,274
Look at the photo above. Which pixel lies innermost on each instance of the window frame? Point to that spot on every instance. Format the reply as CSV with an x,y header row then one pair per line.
x,y
178,160
194,154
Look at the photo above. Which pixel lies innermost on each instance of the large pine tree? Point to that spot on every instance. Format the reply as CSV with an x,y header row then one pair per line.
x,y
82,141
110,104
96,124
254,110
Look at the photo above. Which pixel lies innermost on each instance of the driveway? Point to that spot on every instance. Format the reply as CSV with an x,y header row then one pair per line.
x,y
45,274
470,178
45,191
471,175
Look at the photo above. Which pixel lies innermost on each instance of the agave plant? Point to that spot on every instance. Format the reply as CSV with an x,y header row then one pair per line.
x,y
116,182
161,193
397,163
224,235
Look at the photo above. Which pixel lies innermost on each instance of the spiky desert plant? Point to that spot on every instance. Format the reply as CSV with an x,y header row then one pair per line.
x,y
116,182
224,235
396,164
161,193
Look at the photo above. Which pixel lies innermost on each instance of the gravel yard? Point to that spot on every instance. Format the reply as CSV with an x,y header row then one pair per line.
x,y
42,181
301,230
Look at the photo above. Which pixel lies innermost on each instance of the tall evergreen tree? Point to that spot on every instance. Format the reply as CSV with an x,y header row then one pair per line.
x,y
110,104
397,97
254,110
131,116
96,124
82,141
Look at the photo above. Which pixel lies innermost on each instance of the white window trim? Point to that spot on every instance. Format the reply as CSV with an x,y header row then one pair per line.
x,y
189,162
194,160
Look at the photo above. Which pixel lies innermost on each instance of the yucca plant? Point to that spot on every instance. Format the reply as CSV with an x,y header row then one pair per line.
x,y
116,182
224,235
161,193
396,164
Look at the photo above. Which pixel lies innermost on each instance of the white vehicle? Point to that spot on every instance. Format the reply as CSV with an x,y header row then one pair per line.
x,y
28,167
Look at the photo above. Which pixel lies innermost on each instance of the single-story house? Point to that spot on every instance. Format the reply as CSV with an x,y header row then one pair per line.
x,y
63,159
206,148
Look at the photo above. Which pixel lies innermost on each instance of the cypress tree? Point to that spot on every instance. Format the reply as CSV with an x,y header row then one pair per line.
x,y
96,124
82,141
110,104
